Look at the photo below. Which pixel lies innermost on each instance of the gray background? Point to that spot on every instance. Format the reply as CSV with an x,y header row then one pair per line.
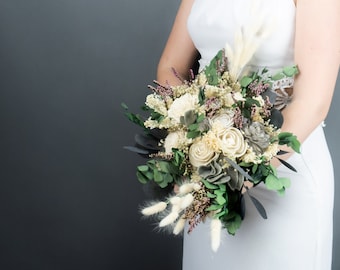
x,y
69,197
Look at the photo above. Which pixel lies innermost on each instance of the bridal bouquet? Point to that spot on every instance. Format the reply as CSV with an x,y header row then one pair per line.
x,y
210,139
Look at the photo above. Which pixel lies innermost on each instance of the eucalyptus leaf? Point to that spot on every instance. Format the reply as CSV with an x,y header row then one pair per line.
x,y
278,76
168,178
143,168
141,177
281,192
285,182
158,177
290,71
164,166
273,183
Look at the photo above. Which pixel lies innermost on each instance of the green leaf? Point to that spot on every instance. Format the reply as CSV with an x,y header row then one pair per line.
x,y
193,127
168,178
158,177
164,166
220,214
290,71
295,145
163,184
142,179
143,168
245,81
214,207
200,118
210,195
220,199
254,168
250,102
208,185
281,192
273,183
222,188
234,224
193,134
201,96
278,76
285,182
125,107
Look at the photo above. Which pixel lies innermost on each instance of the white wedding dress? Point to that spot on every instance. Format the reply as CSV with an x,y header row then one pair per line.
x,y
298,232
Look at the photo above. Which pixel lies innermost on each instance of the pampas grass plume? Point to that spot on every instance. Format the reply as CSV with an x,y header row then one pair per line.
x,y
154,209
216,227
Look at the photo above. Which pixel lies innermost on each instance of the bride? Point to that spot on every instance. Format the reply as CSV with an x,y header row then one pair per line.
x,y
298,232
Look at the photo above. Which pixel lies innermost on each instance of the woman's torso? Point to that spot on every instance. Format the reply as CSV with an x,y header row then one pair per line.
x,y
212,24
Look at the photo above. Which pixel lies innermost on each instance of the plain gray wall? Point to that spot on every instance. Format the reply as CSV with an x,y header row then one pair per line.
x,y
69,197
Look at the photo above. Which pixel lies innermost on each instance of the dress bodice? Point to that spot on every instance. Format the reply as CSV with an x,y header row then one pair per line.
x,y
212,24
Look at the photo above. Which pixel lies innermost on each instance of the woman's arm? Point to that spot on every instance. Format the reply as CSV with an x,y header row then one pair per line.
x,y
179,52
317,54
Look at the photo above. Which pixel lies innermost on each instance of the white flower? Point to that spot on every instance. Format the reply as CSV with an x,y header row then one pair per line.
x,y
271,151
212,91
156,103
181,105
238,96
228,100
226,119
232,142
201,154
251,157
173,140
